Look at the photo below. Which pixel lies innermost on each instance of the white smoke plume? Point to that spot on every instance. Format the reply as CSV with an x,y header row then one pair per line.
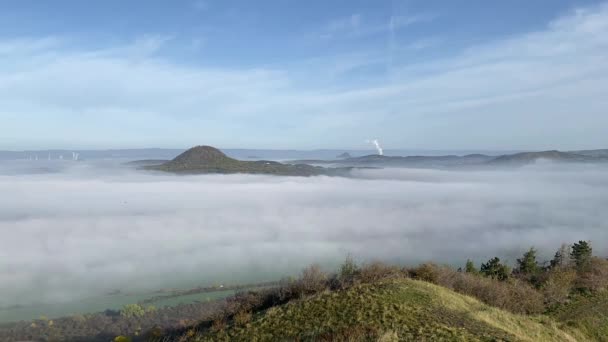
x,y
376,144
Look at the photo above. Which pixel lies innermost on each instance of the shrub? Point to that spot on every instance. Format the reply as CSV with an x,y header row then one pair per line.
x,y
427,272
219,324
242,318
558,285
154,333
349,270
312,280
378,270
595,276
132,310
246,301
513,295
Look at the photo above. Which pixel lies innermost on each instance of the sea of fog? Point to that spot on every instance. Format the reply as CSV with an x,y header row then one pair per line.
x,y
72,231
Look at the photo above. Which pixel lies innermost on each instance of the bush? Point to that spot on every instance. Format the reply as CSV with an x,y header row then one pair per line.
x,y
245,301
595,276
312,280
558,285
219,324
427,272
242,318
349,270
378,270
513,295
132,310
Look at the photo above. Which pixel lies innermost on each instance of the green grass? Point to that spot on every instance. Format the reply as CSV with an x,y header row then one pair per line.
x,y
392,310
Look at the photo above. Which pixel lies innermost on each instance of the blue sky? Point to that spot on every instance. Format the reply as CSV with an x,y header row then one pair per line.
x,y
295,74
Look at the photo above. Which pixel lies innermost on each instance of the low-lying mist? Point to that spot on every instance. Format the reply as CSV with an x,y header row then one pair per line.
x,y
85,231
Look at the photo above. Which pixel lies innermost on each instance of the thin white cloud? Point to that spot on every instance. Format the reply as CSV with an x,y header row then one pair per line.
x,y
355,26
519,83
422,44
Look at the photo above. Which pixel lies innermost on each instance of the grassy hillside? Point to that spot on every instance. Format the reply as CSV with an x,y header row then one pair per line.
x,y
588,314
391,310
563,299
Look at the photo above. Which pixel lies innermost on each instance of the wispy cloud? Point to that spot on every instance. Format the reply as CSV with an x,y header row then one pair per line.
x,y
422,44
518,83
356,25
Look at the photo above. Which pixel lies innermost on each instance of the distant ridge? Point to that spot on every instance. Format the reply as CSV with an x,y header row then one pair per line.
x,y
555,156
146,162
470,160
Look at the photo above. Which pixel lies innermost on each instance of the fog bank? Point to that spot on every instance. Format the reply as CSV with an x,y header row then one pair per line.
x,y
87,230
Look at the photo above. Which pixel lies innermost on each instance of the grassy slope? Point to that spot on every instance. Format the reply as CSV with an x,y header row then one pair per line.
x,y
588,315
402,309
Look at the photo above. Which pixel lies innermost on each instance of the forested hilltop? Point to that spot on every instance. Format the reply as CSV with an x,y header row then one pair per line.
x,y
207,159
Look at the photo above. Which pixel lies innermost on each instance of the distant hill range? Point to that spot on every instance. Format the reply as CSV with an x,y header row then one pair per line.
x,y
207,159
147,162
335,158
447,161
241,154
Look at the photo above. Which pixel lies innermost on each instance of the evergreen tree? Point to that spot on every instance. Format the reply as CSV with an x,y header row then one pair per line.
x,y
528,264
581,255
470,267
562,257
495,269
